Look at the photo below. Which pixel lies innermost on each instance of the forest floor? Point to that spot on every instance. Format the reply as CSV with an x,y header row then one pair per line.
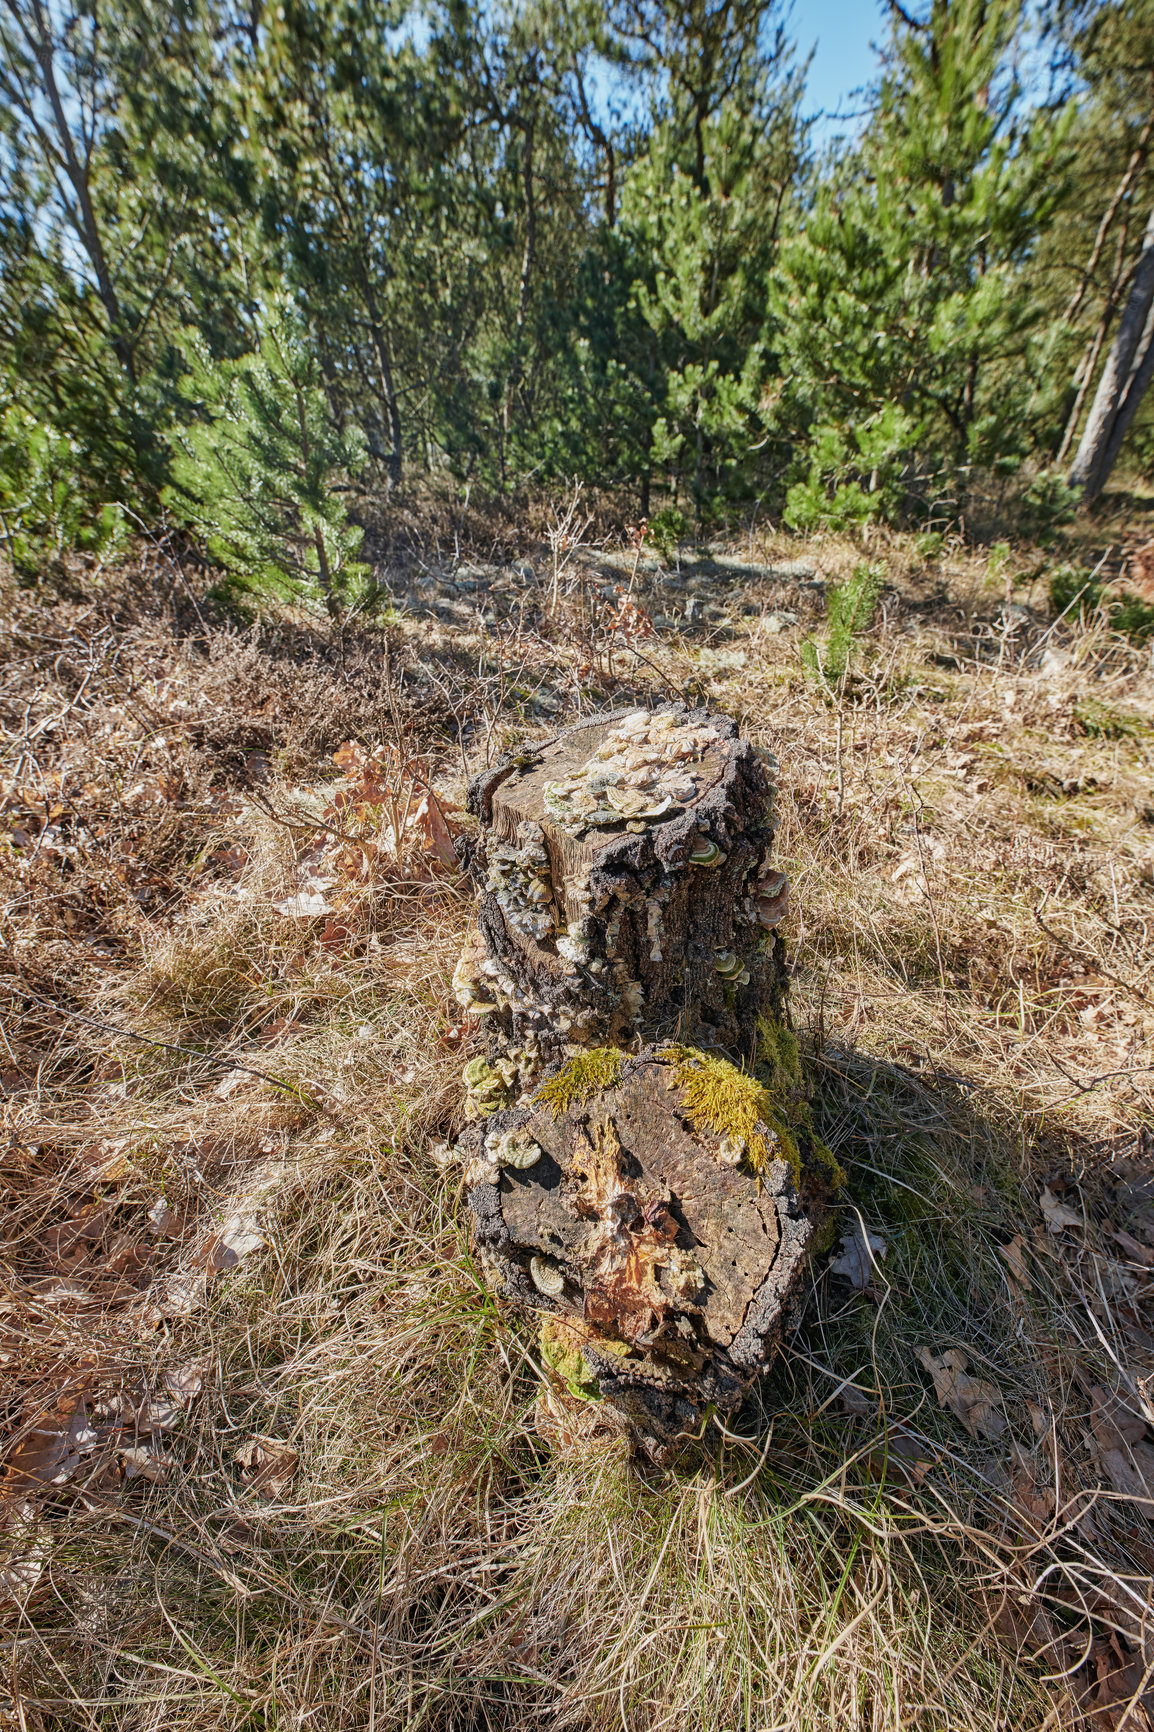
x,y
275,1458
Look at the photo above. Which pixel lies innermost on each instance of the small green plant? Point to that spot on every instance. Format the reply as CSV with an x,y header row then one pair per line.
x,y
1069,585
999,559
850,608
930,544
259,472
1099,721
45,509
1045,505
1077,593
667,530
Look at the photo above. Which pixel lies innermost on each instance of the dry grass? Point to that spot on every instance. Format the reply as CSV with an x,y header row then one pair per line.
x,y
277,1459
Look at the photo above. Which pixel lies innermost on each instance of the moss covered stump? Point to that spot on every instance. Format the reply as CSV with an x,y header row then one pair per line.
x,y
656,1211
626,890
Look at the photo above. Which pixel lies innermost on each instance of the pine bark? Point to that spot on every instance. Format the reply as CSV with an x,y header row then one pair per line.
x,y
1125,377
645,927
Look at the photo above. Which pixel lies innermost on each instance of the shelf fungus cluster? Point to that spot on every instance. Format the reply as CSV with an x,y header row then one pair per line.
x,y
638,1158
625,888
657,1210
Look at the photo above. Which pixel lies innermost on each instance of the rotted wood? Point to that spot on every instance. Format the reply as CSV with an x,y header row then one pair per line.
x,y
657,1221
626,890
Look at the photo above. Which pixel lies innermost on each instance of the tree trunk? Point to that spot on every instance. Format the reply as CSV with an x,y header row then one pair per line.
x,y
601,141
37,32
1124,380
388,388
626,890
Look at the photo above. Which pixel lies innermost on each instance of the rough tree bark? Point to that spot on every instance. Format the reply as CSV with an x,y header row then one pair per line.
x,y
626,889
641,1163
1125,377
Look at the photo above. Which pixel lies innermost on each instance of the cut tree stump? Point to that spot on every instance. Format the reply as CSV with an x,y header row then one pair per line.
x,y
657,1210
626,891
640,1165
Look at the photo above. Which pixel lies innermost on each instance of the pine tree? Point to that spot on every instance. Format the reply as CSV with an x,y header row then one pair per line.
x,y
258,473
703,296
909,285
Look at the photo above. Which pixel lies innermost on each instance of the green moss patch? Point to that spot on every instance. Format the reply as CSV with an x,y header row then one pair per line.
x,y
724,1100
779,1053
582,1078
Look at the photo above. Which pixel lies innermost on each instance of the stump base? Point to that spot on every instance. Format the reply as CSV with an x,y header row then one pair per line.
x,y
656,1211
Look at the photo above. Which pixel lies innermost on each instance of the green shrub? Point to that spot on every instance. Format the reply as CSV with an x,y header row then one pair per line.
x,y
667,530
259,474
854,477
1073,590
45,507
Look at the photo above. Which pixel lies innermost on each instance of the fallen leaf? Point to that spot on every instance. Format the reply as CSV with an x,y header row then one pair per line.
x,y
267,1464
228,1085
1118,1680
1033,1499
237,1237
160,1409
855,1263
1020,1619
23,1565
162,1220
1014,1254
433,821
49,1452
349,757
1038,1419
140,1462
1057,1215
976,1403
857,1403
900,1454
185,1382
1123,1455
1136,1252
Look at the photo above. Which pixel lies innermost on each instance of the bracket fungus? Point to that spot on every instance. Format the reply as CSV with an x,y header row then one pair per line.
x,y
625,888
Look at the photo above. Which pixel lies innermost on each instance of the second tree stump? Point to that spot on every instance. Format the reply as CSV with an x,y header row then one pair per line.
x,y
658,1211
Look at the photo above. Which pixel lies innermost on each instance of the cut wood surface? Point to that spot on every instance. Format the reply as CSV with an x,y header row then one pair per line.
x,y
658,1209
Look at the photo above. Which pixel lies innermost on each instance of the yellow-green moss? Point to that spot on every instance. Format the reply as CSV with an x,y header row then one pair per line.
x,y
722,1099
781,1069
563,1355
582,1078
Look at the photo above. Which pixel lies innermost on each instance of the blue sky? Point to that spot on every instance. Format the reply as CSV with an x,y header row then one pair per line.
x,y
840,33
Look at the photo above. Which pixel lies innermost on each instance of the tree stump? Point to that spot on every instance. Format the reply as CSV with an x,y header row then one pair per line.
x,y
657,1210
626,891
652,1200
